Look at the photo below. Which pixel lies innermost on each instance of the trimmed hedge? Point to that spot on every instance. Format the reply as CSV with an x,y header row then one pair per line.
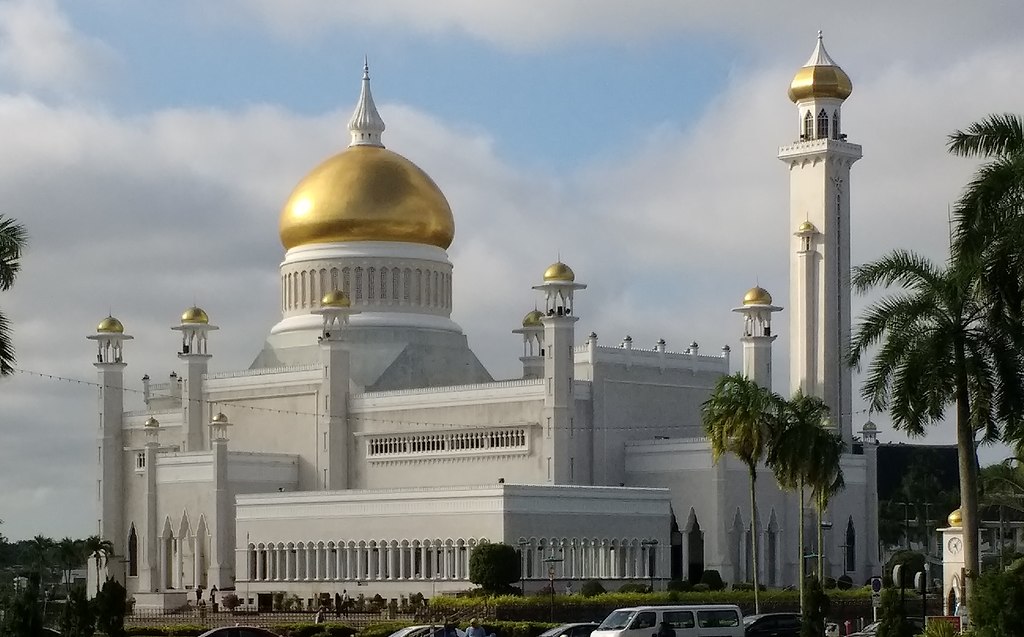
x,y
383,629
571,608
299,629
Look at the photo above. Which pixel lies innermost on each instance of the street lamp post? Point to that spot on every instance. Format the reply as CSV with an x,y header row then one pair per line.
x,y
649,545
551,560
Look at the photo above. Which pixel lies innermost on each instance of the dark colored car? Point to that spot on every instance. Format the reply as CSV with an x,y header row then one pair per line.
x,y
772,625
239,631
570,630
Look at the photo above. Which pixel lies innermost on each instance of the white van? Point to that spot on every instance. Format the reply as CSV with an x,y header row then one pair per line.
x,y
698,620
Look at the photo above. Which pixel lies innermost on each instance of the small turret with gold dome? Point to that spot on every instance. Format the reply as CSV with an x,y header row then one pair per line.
x,y
558,287
757,295
195,327
110,338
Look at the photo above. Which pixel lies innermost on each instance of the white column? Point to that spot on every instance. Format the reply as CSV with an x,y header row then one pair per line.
x,y
316,562
259,565
360,561
197,561
179,564
423,560
382,560
290,567
402,550
309,563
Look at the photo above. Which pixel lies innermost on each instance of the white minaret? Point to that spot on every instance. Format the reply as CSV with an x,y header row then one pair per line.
x,y
110,338
366,124
757,310
533,344
332,438
149,573
819,172
222,522
194,327
559,362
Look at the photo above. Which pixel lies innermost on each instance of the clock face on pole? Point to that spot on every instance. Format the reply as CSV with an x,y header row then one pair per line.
x,y
955,545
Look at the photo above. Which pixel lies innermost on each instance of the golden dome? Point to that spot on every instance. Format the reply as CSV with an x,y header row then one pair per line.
x,y
219,418
110,325
194,315
533,319
367,193
955,518
807,226
335,298
757,296
559,271
820,77
152,422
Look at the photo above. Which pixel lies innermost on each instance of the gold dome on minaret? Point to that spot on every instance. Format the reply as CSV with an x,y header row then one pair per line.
x,y
194,315
757,296
955,518
559,271
820,77
110,325
366,193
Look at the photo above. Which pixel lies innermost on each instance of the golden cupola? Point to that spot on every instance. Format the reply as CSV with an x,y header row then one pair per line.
x,y
366,193
820,77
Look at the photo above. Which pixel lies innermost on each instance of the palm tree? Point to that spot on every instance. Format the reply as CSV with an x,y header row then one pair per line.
x,y
98,549
825,476
939,344
41,550
789,456
12,243
70,555
739,418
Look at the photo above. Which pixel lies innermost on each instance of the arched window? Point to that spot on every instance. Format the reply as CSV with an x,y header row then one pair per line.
x,y
822,125
358,273
835,124
808,126
133,553
383,284
851,546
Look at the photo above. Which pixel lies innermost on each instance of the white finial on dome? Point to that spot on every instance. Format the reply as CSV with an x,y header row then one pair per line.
x,y
820,57
366,124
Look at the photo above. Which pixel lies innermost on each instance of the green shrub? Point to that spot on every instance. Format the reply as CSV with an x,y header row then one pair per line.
x,y
679,586
893,623
713,579
634,587
309,629
382,629
591,587
997,607
110,606
494,567
815,609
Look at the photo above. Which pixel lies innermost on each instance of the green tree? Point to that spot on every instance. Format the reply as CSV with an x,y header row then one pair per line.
x,y
13,239
936,347
77,618
997,608
41,551
111,605
24,615
494,567
893,624
990,212
814,606
825,478
740,417
70,554
789,457
99,550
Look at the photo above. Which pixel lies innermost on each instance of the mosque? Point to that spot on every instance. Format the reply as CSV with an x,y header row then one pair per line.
x,y
367,449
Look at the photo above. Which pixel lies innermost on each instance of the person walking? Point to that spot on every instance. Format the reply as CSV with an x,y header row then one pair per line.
x,y
337,605
475,629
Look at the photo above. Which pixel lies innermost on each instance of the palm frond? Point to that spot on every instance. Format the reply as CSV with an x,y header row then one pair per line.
x,y
998,134
907,268
13,239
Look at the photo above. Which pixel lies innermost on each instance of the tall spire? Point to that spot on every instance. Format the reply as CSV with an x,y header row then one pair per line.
x,y
366,124
820,57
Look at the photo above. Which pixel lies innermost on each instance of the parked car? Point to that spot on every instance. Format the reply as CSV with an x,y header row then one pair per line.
x,y
696,620
239,631
423,630
570,630
772,625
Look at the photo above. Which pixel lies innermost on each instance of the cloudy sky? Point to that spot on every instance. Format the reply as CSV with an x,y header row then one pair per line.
x,y
148,148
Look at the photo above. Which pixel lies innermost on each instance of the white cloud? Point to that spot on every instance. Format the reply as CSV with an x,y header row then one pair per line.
x,y
39,49
142,215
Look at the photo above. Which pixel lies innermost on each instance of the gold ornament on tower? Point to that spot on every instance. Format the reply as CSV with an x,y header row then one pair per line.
x,y
194,315
110,325
757,296
336,298
820,77
559,271
533,319
955,518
